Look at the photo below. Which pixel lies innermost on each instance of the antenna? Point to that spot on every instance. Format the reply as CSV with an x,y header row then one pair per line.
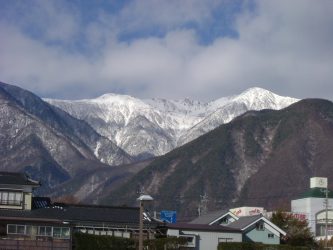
x,y
202,209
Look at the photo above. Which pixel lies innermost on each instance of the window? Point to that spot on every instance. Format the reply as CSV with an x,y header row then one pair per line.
x,y
225,240
224,221
271,236
16,229
44,231
61,232
11,198
260,226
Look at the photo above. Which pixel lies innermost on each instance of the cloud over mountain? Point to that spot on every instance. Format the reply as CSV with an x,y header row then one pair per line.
x,y
169,49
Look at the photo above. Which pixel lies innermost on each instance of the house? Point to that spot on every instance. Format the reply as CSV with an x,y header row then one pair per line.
x,y
254,228
203,236
216,218
312,205
34,221
16,191
257,228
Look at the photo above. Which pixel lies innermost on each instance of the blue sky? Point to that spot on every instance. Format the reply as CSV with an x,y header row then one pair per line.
x,y
171,49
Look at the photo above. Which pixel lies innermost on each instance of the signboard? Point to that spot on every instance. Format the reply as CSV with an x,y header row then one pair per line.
x,y
246,211
318,182
169,216
299,216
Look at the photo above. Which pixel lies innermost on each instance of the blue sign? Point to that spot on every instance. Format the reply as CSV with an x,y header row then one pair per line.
x,y
169,216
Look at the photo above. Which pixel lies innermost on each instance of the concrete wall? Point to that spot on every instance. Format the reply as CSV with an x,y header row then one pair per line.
x,y
310,207
27,201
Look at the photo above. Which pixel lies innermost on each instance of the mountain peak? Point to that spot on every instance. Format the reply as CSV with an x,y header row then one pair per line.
x,y
255,92
165,123
257,98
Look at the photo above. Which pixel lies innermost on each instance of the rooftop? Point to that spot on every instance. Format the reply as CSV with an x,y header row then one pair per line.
x,y
77,214
244,221
202,227
208,218
317,193
17,179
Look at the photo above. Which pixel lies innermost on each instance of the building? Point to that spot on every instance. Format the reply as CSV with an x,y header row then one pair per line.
x,y
34,222
250,222
205,237
312,204
16,191
222,218
257,228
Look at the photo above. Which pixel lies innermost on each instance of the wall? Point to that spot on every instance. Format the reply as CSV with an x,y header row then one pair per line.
x,y
255,235
208,240
34,244
310,207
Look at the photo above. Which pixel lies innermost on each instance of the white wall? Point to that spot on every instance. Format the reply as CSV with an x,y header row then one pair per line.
x,y
207,240
310,207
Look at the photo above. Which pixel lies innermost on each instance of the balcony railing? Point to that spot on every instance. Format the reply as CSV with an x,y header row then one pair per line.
x,y
11,202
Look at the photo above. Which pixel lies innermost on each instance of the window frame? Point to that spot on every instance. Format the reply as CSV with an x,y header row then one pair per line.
x,y
260,226
16,229
11,198
270,236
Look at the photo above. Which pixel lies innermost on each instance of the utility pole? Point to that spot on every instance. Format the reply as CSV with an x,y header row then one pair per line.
x,y
326,217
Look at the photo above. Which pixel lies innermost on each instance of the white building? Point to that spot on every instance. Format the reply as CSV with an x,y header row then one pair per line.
x,y
312,205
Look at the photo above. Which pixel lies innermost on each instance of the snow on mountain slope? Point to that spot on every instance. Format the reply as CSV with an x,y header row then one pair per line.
x,y
150,127
225,109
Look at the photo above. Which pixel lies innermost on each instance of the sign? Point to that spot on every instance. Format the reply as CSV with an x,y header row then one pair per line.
x,y
246,211
169,216
318,182
299,216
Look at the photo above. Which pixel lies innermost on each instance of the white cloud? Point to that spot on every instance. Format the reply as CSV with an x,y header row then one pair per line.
x,y
283,46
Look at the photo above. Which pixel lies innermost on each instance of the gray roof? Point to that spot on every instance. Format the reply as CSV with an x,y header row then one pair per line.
x,y
202,227
244,221
76,214
208,218
16,179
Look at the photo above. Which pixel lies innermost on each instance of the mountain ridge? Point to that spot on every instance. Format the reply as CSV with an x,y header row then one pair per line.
x,y
47,142
261,158
153,127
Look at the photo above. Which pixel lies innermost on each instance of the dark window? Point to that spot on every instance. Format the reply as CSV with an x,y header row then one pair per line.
x,y
16,229
61,232
260,226
44,231
270,235
224,221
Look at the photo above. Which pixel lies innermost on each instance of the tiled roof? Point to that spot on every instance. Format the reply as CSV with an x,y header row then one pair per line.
x,y
77,214
244,221
208,218
202,227
16,178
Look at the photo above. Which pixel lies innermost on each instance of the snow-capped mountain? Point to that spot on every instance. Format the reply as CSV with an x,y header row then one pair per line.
x,y
153,127
225,109
48,143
